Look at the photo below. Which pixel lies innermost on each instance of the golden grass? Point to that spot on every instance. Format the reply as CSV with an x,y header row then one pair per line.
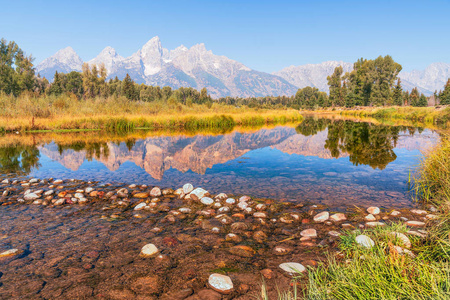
x,y
27,113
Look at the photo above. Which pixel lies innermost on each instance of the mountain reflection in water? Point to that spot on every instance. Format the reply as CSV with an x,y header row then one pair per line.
x,y
371,161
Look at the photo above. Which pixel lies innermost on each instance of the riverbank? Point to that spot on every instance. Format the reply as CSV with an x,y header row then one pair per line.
x,y
83,239
415,267
427,116
27,113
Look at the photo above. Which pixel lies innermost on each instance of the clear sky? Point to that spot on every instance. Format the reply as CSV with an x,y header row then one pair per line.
x,y
264,35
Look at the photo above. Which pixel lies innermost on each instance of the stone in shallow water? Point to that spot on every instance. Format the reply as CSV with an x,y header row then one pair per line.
x,y
155,192
207,201
31,196
10,252
395,213
415,223
187,188
370,218
338,217
220,283
140,206
373,210
149,250
311,232
374,224
198,193
418,211
141,195
334,233
242,250
321,217
365,241
292,268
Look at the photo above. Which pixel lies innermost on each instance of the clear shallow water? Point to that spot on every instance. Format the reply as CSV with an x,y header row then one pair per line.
x,y
337,163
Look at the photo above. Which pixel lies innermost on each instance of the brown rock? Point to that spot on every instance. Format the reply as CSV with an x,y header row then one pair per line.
x,y
147,285
267,273
243,251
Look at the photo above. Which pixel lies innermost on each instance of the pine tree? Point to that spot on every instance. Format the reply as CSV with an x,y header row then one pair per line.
x,y
423,102
128,89
444,96
397,95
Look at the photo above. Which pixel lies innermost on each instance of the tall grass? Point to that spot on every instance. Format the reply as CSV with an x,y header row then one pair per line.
x,y
379,272
28,112
426,115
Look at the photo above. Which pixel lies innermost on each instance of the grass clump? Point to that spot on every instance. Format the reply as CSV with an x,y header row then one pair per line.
x,y
379,272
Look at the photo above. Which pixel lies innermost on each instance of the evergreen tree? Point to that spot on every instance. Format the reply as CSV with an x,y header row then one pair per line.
x,y
334,82
128,89
397,94
423,102
444,96
414,97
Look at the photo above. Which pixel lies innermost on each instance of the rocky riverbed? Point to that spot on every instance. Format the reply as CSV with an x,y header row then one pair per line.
x,y
69,239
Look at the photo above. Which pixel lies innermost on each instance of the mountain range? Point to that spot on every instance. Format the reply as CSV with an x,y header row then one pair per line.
x,y
198,67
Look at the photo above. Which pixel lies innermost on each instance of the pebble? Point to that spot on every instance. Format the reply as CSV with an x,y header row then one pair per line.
x,y
338,217
141,195
311,232
220,283
334,233
187,188
292,268
365,241
373,210
259,215
242,250
198,194
415,223
155,192
207,201
31,196
149,250
395,213
418,211
403,238
230,201
370,218
374,224
10,252
321,217
140,206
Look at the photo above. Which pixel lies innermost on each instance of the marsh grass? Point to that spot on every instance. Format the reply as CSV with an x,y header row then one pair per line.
x,y
30,113
425,115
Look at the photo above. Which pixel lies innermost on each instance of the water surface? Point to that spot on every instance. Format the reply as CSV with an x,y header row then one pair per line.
x,y
337,163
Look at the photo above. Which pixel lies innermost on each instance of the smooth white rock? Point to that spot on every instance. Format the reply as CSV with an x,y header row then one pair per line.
x,y
187,188
140,206
149,250
207,201
321,217
373,210
292,268
221,283
365,241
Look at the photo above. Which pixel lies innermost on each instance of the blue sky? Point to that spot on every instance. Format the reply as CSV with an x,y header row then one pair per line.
x,y
264,35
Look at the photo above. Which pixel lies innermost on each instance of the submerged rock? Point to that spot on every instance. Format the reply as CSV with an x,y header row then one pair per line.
x,y
373,210
311,232
321,217
149,250
187,188
220,283
198,194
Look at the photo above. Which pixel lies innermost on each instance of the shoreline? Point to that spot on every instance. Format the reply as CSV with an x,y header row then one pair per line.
x,y
248,238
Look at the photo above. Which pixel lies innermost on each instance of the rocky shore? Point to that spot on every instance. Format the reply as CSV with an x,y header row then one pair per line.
x,y
71,239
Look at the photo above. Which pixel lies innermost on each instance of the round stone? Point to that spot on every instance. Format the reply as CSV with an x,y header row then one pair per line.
x,y
311,232
207,201
373,210
155,192
292,268
220,283
401,237
140,206
321,217
365,241
338,217
187,188
370,218
149,250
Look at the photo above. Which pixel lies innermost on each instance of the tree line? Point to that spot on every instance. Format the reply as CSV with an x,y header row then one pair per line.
x,y
370,83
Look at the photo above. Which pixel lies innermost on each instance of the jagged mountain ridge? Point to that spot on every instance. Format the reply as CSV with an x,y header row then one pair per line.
x,y
198,67
188,67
